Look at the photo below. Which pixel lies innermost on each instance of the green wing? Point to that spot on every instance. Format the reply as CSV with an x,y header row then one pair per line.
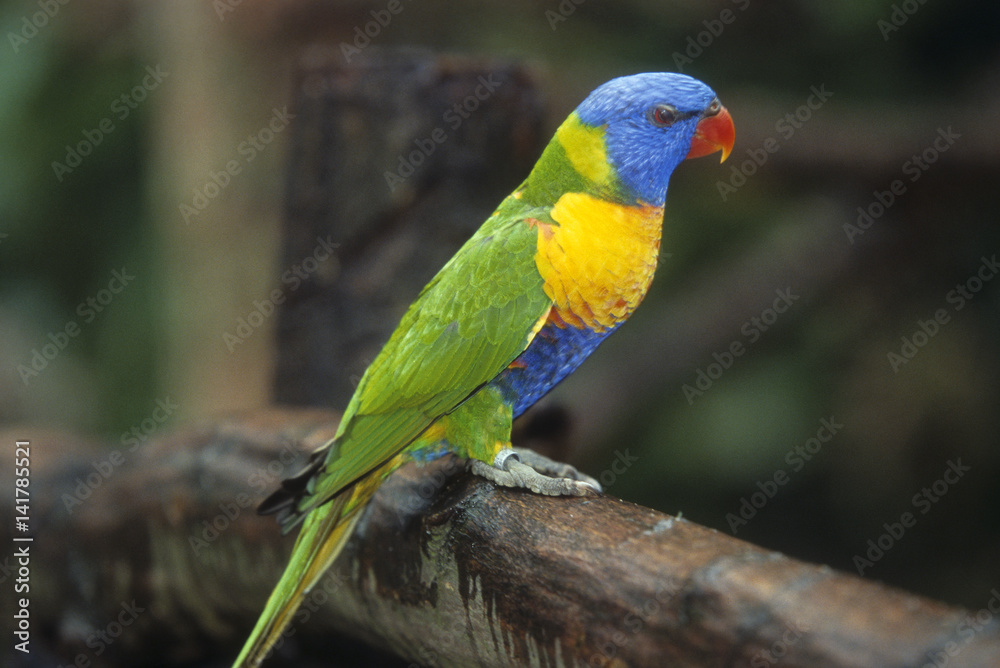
x,y
468,324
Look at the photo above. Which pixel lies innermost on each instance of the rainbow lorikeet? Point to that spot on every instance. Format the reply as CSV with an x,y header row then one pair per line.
x,y
560,265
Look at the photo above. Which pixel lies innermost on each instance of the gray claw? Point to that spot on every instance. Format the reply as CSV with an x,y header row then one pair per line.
x,y
555,469
529,470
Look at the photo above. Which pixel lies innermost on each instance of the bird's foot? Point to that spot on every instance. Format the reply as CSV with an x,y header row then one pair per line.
x,y
530,470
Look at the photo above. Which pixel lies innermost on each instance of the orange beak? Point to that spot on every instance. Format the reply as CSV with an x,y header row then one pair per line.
x,y
714,133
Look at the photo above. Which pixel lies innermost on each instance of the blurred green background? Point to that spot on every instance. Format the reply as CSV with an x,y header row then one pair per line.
x,y
900,76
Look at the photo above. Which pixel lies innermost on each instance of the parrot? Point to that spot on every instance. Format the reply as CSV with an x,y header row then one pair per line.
x,y
561,263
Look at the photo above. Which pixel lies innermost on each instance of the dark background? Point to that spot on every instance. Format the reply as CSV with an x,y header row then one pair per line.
x,y
894,91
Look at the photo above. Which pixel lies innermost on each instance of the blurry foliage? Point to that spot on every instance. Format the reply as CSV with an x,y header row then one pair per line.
x,y
65,237
826,357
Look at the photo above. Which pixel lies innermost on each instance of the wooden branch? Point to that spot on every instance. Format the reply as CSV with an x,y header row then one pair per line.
x,y
445,570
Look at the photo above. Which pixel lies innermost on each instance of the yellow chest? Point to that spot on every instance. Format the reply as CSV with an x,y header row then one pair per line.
x,y
599,260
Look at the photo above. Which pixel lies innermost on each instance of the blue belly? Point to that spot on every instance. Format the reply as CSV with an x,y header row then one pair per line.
x,y
553,354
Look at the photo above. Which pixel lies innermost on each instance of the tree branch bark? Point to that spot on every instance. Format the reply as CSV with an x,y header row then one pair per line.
x,y
444,570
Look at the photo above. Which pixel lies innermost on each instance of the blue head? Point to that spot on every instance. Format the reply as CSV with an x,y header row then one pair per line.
x,y
652,122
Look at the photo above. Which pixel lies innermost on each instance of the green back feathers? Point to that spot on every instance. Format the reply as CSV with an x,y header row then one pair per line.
x,y
468,324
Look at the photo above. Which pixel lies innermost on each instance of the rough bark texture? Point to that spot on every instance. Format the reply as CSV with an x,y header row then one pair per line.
x,y
445,570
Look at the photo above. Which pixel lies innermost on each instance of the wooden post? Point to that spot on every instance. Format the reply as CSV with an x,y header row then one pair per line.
x,y
396,159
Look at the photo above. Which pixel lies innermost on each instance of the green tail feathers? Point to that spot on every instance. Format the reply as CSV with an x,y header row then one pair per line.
x,y
323,536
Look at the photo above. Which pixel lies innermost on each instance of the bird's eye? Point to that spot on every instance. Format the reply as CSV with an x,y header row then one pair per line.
x,y
663,115
713,108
